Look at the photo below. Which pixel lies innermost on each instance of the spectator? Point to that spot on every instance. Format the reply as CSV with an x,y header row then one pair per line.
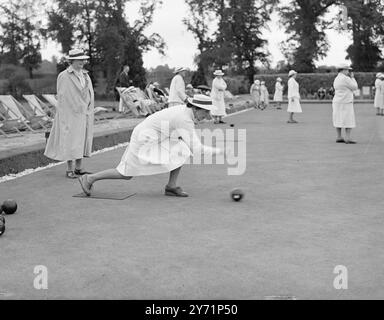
x,y
321,93
278,97
177,95
189,90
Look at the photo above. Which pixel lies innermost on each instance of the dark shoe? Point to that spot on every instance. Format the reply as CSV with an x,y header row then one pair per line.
x,y
291,121
340,140
350,142
80,172
222,121
87,188
71,175
175,192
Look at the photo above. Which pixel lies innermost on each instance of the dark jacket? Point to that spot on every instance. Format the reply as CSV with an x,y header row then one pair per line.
x,y
124,80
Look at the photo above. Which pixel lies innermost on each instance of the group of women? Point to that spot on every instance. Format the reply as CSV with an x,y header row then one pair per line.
x,y
153,150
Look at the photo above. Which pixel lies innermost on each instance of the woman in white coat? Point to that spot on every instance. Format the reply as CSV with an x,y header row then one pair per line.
x,y
217,94
293,96
278,96
161,143
379,94
342,104
255,93
72,131
177,95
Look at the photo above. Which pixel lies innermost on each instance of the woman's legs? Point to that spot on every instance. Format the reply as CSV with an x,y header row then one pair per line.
x,y
173,175
348,136
291,120
339,136
78,163
69,165
109,174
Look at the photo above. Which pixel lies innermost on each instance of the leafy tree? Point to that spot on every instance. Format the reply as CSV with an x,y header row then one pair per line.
x,y
367,25
304,22
21,34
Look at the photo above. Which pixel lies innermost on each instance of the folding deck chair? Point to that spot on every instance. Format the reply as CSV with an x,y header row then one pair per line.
x,y
51,98
129,98
12,111
39,107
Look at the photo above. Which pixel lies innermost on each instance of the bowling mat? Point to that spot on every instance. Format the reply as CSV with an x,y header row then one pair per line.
x,y
106,195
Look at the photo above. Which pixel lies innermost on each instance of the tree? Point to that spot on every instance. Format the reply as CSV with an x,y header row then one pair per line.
x,y
367,25
237,40
20,40
304,23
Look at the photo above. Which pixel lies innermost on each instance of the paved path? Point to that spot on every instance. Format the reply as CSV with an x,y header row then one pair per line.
x,y
310,204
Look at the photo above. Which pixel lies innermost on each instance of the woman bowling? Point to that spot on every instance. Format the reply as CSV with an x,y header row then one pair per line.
x,y
161,143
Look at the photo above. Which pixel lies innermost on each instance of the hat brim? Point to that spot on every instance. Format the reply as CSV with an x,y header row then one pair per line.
x,y
201,106
78,58
218,74
178,71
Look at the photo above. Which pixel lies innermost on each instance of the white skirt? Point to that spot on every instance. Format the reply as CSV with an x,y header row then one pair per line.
x,y
278,97
294,106
343,115
218,108
146,156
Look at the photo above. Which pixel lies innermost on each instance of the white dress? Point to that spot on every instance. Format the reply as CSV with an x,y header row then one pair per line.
x,y
255,93
264,94
293,96
379,94
162,142
177,93
342,104
278,97
217,94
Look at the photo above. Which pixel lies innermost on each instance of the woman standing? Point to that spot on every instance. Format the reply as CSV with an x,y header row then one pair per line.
x,y
342,105
177,95
264,96
161,143
255,93
278,97
379,94
72,131
293,96
217,94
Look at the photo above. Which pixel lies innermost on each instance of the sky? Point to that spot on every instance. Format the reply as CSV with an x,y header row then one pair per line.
x,y
182,46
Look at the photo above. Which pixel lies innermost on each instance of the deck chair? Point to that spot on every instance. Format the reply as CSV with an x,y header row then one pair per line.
x,y
152,96
12,111
8,125
128,95
40,108
146,103
51,98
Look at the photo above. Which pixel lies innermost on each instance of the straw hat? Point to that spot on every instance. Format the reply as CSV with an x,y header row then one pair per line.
x,y
291,73
178,70
279,79
77,54
201,101
218,73
379,75
344,66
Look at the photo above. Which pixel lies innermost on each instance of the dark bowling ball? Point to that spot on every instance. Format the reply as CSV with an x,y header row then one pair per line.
x,y
9,206
232,125
2,225
237,194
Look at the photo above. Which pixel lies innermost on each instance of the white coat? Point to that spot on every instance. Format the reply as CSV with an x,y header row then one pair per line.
x,y
379,94
177,93
278,97
217,94
72,131
293,96
255,93
342,104
162,142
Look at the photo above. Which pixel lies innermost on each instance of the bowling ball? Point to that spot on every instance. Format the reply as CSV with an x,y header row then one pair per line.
x,y
232,125
237,194
9,206
2,225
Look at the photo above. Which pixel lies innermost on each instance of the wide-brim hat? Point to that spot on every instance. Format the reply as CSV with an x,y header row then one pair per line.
x,y
77,54
262,82
201,101
218,73
178,70
156,84
291,73
344,66
379,75
257,81
279,79
189,86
